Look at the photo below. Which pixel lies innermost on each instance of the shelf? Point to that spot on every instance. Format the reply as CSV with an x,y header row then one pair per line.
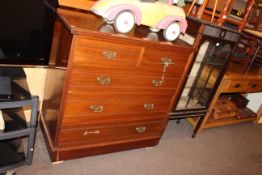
x,y
11,152
226,121
192,121
14,120
220,122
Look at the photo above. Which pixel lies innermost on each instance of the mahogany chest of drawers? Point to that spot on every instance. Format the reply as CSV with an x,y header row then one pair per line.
x,y
108,92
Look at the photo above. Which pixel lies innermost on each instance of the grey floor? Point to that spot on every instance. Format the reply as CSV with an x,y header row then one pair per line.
x,y
229,150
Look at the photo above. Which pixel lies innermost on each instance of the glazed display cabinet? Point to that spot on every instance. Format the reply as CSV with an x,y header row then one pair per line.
x,y
214,45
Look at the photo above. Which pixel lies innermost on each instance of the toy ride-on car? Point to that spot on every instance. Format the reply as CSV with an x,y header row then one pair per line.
x,y
155,14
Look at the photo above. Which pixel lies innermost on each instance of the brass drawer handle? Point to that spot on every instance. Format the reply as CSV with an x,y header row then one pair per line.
x,y
237,85
91,132
157,83
166,61
108,54
140,129
149,106
103,80
96,108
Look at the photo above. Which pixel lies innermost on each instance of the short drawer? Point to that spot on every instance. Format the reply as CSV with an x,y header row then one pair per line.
x,y
109,134
97,103
107,81
172,63
95,53
254,86
235,86
98,120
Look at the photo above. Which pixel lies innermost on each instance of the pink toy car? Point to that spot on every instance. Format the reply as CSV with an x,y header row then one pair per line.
x,y
155,14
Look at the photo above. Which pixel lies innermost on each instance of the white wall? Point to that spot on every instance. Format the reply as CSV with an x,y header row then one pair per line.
x,y
36,83
255,100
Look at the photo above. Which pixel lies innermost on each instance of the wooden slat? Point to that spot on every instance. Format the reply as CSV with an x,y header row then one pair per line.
x,y
79,4
226,121
234,21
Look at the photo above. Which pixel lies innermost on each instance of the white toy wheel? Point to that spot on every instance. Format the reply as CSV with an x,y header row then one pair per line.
x,y
124,22
172,31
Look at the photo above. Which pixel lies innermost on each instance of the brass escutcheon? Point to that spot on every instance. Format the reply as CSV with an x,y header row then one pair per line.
x,y
91,132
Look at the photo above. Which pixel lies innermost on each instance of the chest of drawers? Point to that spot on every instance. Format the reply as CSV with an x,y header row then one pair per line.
x,y
108,92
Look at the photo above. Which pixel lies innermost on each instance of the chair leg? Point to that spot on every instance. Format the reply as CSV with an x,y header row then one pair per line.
x,y
250,4
191,7
202,8
225,11
214,11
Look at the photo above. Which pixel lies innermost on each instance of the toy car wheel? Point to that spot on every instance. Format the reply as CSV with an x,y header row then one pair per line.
x,y
172,31
124,22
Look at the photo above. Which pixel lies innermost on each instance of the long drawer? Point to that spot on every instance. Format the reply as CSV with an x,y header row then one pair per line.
x,y
122,56
107,81
109,134
85,103
113,119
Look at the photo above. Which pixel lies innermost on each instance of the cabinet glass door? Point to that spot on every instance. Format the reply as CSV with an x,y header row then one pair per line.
x,y
208,67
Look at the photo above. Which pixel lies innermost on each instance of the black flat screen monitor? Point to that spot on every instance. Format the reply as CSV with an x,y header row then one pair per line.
x,y
26,28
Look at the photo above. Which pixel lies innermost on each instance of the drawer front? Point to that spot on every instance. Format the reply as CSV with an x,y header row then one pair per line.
x,y
171,63
116,133
221,33
106,81
79,103
98,120
94,53
236,86
254,86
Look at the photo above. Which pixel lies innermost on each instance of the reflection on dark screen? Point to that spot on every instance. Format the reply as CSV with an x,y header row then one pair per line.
x,y
25,31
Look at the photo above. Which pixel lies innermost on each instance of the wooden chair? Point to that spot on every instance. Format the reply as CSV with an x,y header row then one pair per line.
x,y
254,19
212,8
240,23
245,50
202,8
220,11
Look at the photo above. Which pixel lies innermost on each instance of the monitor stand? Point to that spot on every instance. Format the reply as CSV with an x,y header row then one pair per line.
x,y
5,89
12,72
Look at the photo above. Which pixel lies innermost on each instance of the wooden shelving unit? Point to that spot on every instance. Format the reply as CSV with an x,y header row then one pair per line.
x,y
235,81
212,123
